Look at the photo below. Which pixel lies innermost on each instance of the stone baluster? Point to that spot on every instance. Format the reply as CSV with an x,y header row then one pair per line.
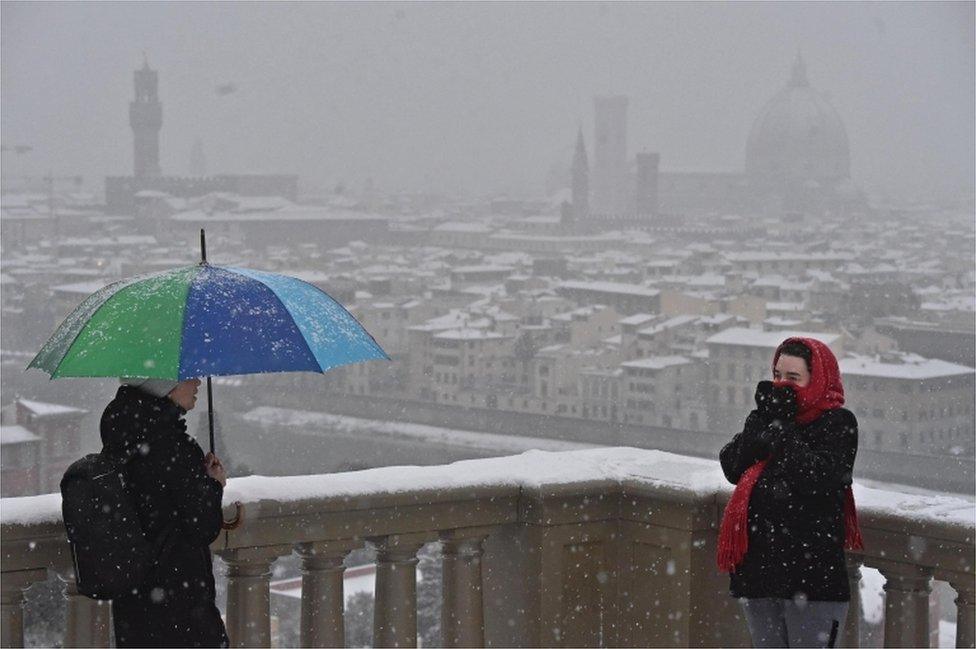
x,y
852,625
965,610
907,588
395,612
462,611
248,595
12,604
323,600
88,619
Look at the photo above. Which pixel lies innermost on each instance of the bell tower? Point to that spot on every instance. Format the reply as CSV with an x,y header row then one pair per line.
x,y
145,118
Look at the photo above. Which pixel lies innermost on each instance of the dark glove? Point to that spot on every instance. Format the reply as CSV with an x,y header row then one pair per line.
x,y
775,402
769,438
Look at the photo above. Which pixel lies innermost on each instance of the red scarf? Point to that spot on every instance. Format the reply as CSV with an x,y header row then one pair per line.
x,y
824,392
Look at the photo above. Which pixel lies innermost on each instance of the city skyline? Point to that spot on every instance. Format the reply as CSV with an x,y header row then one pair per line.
x,y
374,96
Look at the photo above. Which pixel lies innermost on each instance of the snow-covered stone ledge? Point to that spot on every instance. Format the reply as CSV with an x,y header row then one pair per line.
x,y
605,545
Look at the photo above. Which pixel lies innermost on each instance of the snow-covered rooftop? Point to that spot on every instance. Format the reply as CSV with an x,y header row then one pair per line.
x,y
670,323
16,435
656,362
484,268
42,409
636,319
783,256
454,226
469,334
911,366
769,339
81,288
610,287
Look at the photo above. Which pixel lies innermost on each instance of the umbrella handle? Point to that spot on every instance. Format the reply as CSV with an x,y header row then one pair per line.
x,y
237,520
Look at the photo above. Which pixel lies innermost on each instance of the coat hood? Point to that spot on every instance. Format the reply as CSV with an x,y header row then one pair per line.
x,y
134,419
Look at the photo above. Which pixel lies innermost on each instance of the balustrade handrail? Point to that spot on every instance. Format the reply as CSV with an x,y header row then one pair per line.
x,y
618,507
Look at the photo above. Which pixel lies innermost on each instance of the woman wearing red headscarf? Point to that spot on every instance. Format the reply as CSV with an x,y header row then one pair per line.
x,y
791,515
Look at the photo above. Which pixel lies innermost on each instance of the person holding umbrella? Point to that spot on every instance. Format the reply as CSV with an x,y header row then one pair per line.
x,y
173,328
177,494
792,515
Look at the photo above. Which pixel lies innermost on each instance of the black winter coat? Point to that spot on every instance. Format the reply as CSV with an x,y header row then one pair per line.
x,y
796,511
175,500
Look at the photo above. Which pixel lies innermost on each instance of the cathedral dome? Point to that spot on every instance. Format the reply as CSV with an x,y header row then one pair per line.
x,y
797,138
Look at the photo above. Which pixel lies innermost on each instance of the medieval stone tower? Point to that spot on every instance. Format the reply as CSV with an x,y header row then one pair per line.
x,y
146,118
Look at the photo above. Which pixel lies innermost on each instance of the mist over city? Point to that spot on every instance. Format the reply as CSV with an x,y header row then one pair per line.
x,y
486,295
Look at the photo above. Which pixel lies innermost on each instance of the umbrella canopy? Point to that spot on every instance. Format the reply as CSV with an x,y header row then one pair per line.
x,y
205,321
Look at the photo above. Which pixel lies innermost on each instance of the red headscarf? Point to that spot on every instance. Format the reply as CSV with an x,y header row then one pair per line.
x,y
824,392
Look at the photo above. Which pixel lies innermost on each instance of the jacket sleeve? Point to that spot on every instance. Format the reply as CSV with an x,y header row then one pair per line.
x,y
823,462
196,496
743,451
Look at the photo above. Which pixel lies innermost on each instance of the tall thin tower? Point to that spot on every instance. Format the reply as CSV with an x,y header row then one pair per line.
x,y
146,118
611,189
581,180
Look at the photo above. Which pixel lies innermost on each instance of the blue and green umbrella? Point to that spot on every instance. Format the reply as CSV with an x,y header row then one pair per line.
x,y
206,321
203,321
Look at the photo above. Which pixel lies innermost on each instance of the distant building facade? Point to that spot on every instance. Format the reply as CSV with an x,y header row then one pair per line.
x,y
38,445
912,405
19,461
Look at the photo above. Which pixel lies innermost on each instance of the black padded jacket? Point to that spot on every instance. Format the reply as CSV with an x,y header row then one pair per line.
x,y
175,500
796,511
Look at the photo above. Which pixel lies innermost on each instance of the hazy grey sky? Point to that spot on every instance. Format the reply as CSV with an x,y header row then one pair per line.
x,y
484,97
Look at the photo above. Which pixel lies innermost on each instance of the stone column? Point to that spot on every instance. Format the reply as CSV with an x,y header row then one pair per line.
x,y
88,620
12,604
323,601
462,610
907,589
965,610
248,597
395,612
852,625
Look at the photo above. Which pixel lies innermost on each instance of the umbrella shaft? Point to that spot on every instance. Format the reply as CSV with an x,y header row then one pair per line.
x,y
210,413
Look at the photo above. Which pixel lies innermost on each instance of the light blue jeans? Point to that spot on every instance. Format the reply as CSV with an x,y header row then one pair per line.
x,y
788,623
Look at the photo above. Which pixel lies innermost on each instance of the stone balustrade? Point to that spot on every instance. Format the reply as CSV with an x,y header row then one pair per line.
x,y
602,547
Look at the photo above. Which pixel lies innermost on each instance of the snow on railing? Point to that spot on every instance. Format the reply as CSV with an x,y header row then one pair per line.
x,y
581,547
